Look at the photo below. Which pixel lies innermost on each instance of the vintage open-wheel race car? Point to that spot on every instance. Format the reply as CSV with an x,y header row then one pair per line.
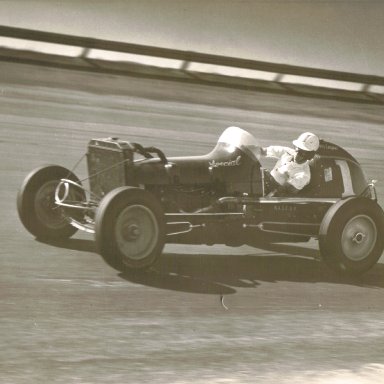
x,y
138,199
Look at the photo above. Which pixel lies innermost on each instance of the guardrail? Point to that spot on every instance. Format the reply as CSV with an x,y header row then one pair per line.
x,y
189,56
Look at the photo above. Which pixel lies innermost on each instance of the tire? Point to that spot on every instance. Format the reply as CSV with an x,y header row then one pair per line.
x,y
351,235
36,203
130,228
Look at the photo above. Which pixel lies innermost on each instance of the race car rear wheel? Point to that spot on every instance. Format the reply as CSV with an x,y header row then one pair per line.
x,y
129,228
36,203
350,236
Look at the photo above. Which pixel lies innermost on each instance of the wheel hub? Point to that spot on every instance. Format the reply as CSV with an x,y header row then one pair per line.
x,y
359,237
132,232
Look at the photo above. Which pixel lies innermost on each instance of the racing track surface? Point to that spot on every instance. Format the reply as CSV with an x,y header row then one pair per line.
x,y
67,317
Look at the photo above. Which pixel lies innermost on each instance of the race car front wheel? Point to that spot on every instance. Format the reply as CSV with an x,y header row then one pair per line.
x,y
36,203
350,236
129,228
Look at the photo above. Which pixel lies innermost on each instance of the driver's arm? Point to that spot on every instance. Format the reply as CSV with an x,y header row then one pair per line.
x,y
275,151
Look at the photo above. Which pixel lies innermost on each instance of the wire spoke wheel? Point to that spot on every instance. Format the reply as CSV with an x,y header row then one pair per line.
x,y
45,207
36,204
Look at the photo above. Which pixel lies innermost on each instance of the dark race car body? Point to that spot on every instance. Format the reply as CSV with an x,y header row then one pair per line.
x,y
138,199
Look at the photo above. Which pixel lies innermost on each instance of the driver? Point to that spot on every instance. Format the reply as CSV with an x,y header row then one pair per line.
x,y
291,172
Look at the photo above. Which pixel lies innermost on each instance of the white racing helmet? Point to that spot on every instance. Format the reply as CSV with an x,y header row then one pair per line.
x,y
307,141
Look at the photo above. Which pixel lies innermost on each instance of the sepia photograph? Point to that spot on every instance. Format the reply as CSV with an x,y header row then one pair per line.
x,y
192,191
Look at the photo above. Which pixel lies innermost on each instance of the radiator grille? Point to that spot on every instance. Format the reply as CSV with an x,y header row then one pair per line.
x,y
108,164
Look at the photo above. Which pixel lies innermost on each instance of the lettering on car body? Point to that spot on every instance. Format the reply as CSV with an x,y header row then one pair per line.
x,y
231,163
285,208
328,147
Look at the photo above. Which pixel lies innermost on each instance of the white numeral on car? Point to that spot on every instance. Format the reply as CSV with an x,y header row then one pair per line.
x,y
346,176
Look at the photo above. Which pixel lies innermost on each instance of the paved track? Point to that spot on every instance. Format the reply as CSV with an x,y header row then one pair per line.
x,y
67,317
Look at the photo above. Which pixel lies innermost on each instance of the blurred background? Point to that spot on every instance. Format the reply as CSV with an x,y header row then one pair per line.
x,y
338,35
